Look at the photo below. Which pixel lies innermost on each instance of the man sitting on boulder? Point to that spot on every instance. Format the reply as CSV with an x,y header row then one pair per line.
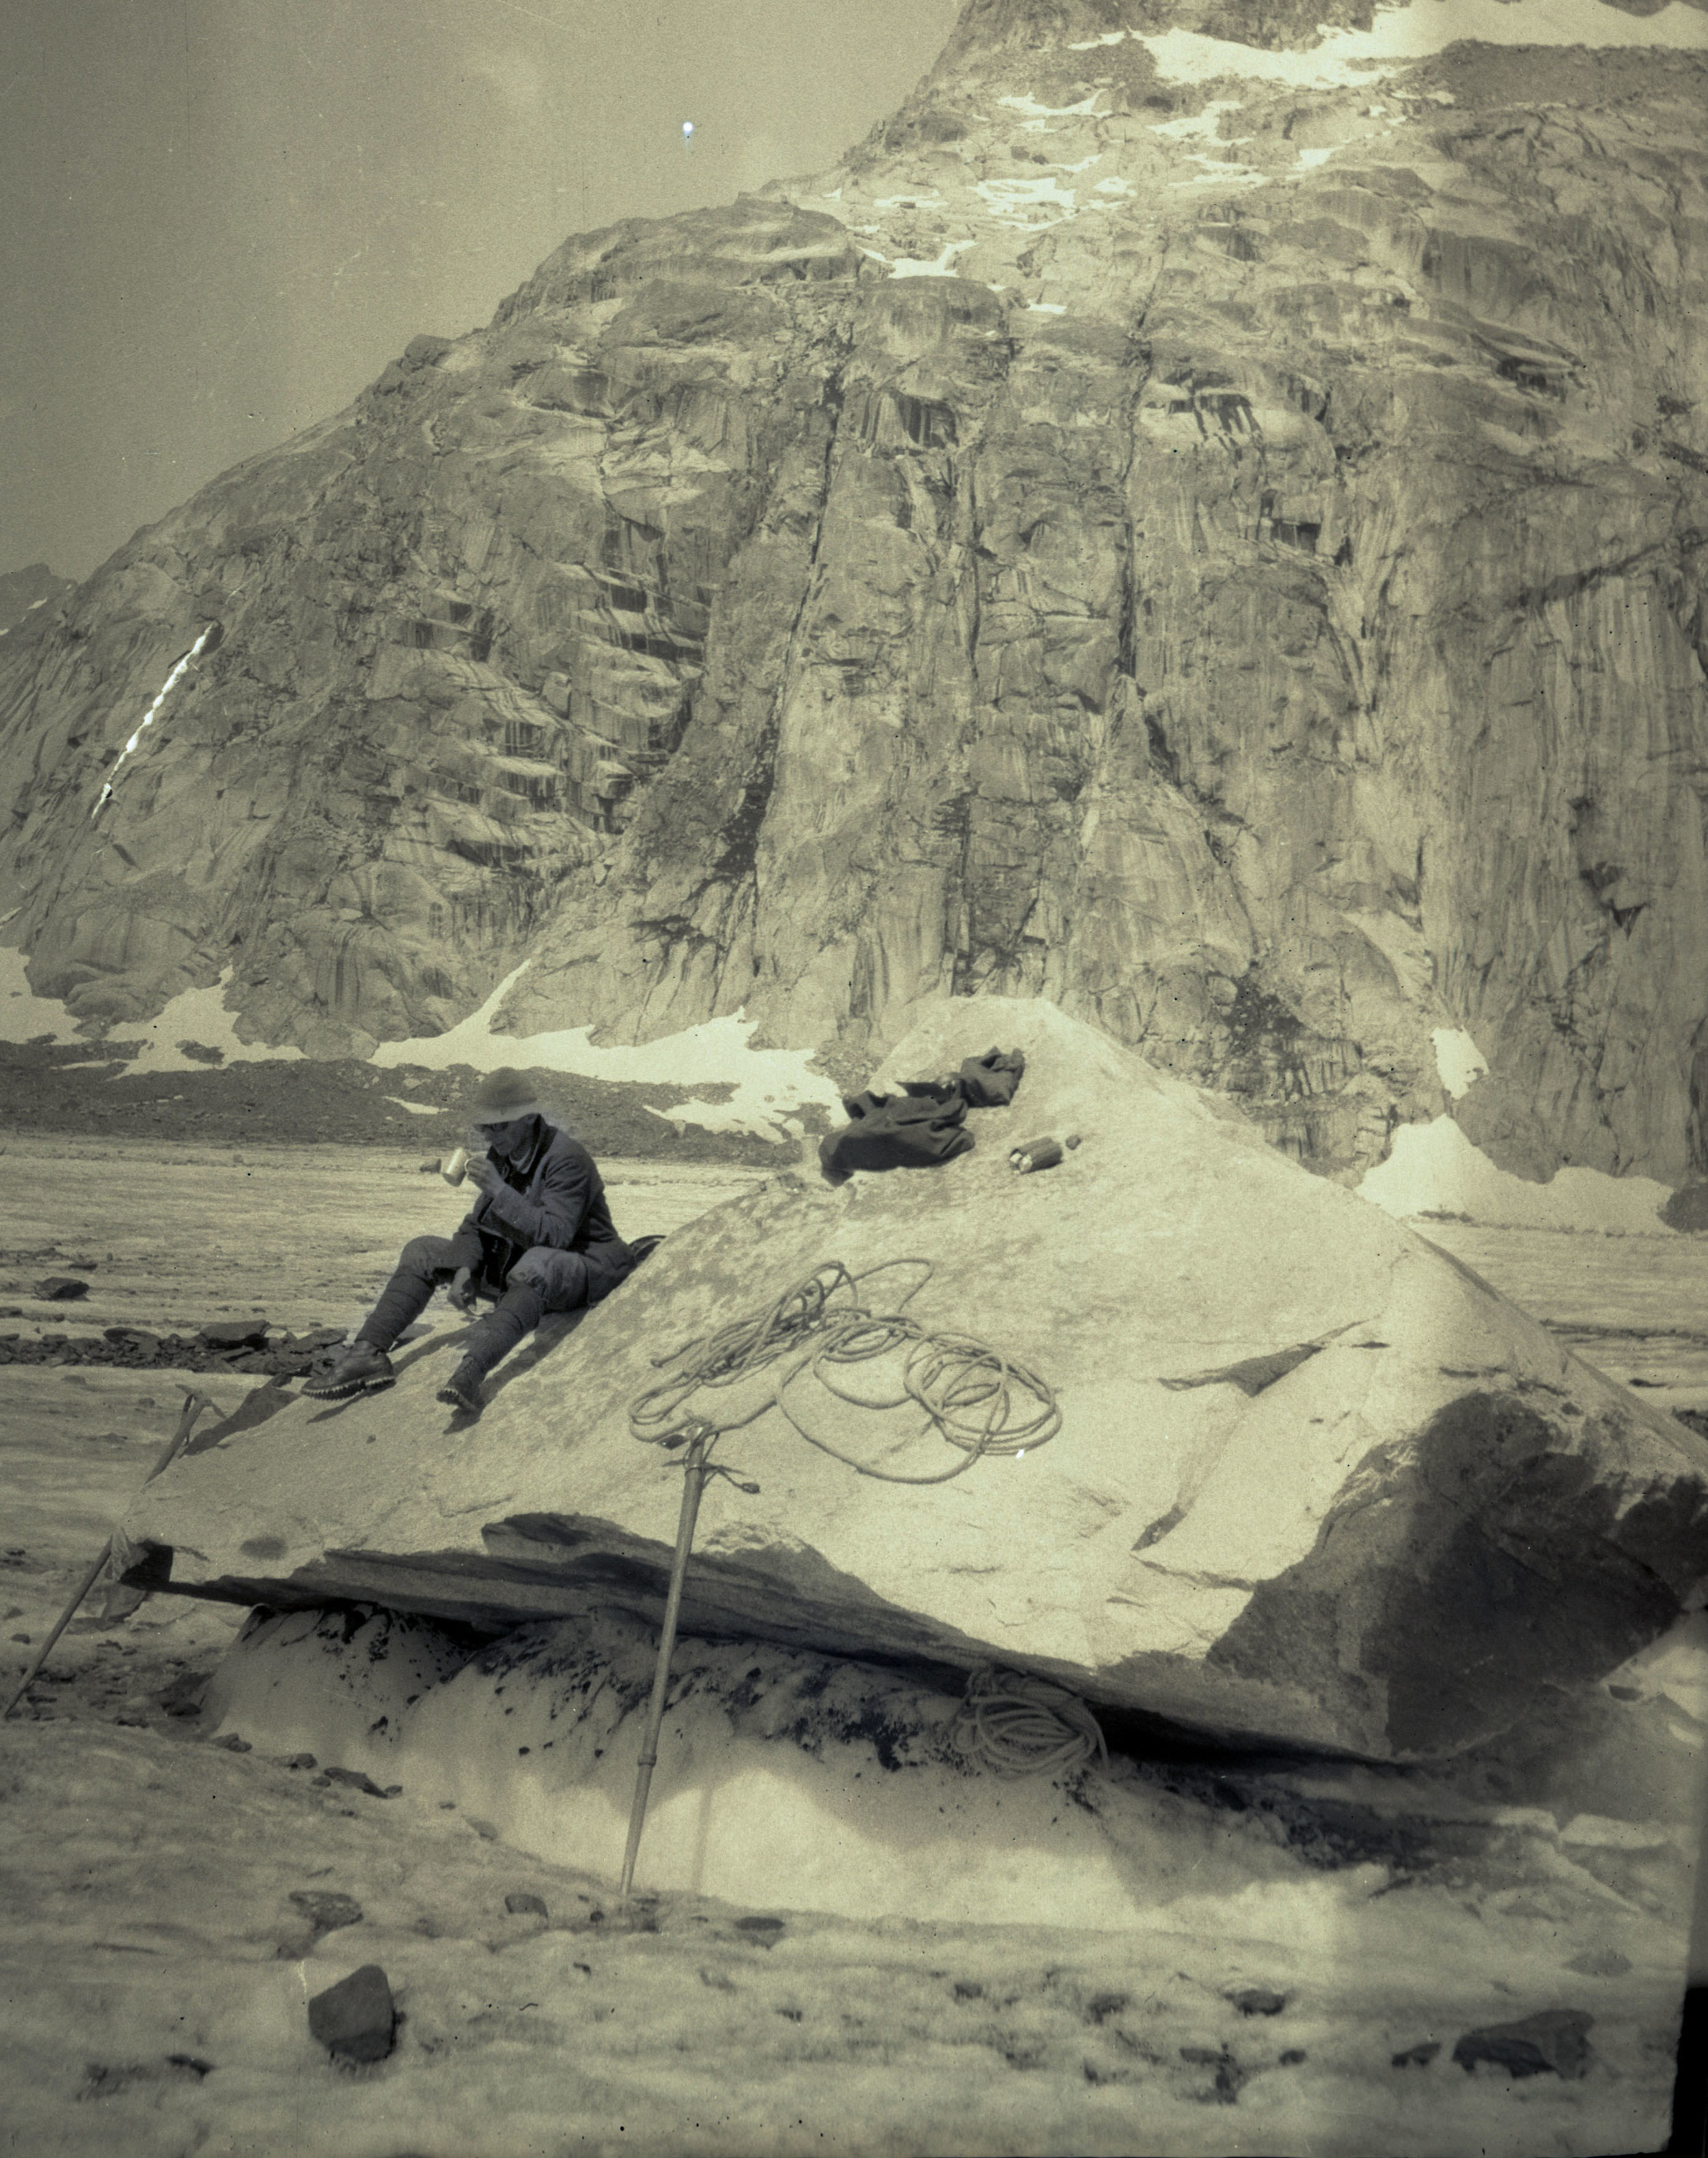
x,y
540,1238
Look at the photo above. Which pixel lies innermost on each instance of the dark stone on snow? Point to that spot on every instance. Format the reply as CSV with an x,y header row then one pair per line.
x,y
1554,2041
1229,2074
234,1333
356,2020
1258,2000
325,1910
356,1780
519,1903
184,1696
766,1931
62,1288
1417,2057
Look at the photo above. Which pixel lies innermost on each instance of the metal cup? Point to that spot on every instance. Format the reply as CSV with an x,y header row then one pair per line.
x,y
457,1168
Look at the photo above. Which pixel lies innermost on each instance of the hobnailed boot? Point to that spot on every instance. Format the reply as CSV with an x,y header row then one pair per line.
x,y
360,1369
461,1390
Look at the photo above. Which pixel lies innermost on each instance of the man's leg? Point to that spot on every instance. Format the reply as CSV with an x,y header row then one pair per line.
x,y
542,1280
424,1263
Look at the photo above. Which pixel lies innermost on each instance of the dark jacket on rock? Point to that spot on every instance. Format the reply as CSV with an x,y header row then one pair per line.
x,y
554,1195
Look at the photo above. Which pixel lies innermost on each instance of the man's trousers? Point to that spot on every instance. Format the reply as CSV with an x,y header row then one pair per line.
x,y
542,1279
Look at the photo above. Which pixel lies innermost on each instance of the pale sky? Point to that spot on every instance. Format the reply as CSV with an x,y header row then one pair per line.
x,y
222,218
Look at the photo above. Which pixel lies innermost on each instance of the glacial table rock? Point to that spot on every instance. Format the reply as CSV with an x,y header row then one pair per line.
x,y
1315,1482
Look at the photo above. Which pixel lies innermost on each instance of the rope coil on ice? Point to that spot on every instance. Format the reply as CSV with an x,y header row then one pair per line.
x,y
1016,1725
977,1399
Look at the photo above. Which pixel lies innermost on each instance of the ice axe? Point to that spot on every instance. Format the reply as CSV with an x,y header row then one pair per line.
x,y
194,1404
699,1469
696,1469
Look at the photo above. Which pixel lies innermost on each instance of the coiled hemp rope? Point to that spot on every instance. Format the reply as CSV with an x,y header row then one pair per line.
x,y
1021,1726
980,1400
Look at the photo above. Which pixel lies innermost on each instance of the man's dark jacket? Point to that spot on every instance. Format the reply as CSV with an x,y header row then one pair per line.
x,y
553,1195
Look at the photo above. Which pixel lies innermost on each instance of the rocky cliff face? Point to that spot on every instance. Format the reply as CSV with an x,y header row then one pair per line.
x,y
1224,555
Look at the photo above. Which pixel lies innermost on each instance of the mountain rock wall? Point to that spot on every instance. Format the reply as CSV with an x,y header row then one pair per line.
x,y
1224,557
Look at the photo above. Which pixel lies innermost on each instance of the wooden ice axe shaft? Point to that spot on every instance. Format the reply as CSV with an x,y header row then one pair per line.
x,y
194,1404
693,1483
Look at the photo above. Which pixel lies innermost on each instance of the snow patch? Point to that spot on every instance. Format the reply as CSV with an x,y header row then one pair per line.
x,y
941,265
200,1016
1236,175
1435,1169
23,1015
148,717
1011,200
1457,1059
414,1108
769,1083
1399,34
1034,115
1205,126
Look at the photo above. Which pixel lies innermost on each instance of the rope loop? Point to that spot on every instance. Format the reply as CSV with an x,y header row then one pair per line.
x,y
1016,1725
979,1401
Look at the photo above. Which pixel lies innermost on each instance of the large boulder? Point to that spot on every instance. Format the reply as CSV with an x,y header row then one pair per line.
x,y
1314,1480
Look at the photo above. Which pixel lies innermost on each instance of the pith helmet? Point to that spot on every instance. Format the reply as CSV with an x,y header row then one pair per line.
x,y
502,1096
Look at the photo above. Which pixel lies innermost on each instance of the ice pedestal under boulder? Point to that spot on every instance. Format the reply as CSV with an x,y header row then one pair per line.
x,y
788,1780
1315,1481
784,1779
